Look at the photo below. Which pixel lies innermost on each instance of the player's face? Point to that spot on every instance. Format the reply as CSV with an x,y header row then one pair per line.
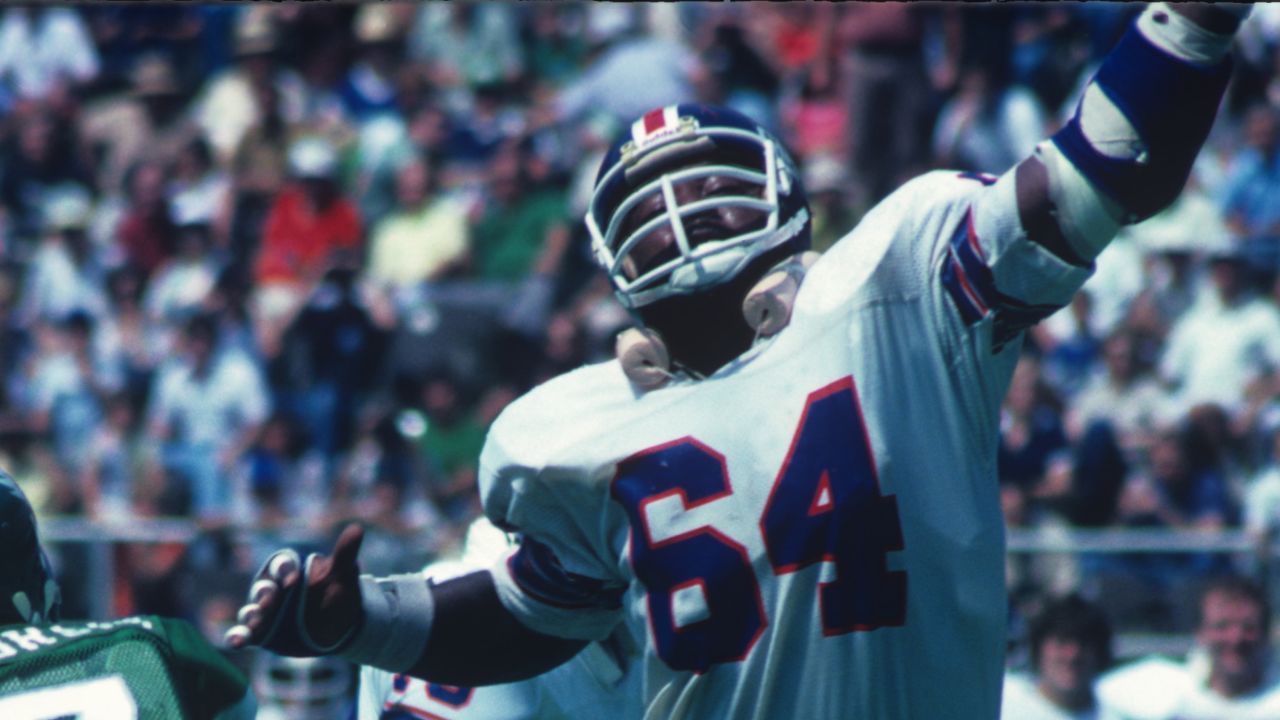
x,y
1067,667
1232,632
717,223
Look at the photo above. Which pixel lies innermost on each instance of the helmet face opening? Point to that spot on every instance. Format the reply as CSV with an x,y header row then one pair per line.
x,y
689,200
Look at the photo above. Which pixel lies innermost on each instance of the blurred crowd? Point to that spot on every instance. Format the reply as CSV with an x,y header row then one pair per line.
x,y
270,265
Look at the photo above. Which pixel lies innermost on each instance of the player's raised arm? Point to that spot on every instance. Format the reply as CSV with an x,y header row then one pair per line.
x,y
455,633
1128,150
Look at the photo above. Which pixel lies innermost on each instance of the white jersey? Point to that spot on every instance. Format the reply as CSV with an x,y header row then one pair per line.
x,y
1160,689
590,685
1024,701
813,531
595,683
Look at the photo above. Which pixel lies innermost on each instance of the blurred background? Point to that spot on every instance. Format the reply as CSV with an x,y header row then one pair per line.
x,y
267,269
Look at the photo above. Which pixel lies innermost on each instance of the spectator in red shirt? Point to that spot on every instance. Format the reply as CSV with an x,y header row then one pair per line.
x,y
310,228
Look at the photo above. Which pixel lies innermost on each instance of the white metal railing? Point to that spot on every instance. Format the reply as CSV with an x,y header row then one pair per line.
x,y
101,535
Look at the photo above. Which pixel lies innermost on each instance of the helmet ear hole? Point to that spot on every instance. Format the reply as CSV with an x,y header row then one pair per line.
x,y
767,305
644,358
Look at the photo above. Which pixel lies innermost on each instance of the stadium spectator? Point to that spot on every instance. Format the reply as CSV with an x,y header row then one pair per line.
x,y
990,123
69,381
111,460
886,89
331,361
146,232
229,103
370,86
464,46
1229,339
1254,180
199,189
128,334
1070,641
148,122
1229,673
424,237
655,71
205,410
1122,394
40,159
64,274
45,50
311,227
180,285
1031,435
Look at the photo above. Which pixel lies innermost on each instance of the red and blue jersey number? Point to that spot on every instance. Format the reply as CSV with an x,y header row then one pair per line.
x,y
825,506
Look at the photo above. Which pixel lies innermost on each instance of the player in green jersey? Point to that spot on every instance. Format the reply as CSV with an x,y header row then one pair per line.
x,y
134,668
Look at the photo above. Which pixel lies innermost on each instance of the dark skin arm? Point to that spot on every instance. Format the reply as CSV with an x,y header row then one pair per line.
x,y
474,639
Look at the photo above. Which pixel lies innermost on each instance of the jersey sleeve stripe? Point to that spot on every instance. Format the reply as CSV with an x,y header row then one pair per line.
x,y
971,284
538,573
966,276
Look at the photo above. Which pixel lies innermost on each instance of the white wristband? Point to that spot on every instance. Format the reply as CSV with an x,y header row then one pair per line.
x,y
1182,38
398,611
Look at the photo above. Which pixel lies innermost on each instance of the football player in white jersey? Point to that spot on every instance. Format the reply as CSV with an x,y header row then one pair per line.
x,y
784,487
599,682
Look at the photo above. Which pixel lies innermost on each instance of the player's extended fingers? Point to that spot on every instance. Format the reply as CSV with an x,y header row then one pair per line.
x,y
237,637
347,549
281,566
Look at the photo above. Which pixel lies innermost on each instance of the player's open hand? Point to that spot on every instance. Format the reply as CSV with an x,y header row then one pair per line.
x,y
303,609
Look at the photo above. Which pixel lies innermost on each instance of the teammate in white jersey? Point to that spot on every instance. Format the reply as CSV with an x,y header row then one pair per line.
x,y
784,489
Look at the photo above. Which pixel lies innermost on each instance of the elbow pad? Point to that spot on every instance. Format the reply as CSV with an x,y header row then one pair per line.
x,y
1137,130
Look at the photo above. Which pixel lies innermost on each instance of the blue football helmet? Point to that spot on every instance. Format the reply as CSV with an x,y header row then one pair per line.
x,y
677,144
28,592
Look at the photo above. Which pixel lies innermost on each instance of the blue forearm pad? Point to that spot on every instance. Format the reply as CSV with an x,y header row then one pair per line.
x,y
1170,103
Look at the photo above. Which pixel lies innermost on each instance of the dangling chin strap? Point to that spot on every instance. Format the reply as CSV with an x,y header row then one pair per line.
x,y
767,308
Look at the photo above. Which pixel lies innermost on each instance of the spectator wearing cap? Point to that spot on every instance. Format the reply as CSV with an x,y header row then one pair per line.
x,y
229,103
369,87
64,275
311,227
1227,341
147,123
423,237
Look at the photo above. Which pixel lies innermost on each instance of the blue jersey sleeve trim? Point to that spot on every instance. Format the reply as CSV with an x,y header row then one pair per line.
x,y
968,279
538,573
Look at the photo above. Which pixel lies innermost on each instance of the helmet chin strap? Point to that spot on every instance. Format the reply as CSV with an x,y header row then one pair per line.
x,y
767,308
